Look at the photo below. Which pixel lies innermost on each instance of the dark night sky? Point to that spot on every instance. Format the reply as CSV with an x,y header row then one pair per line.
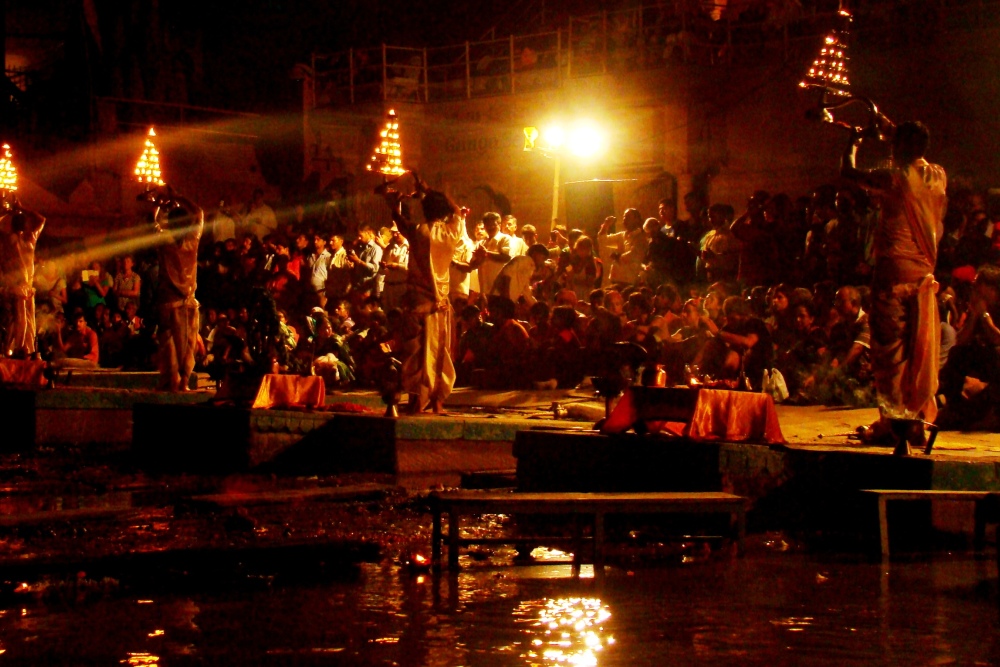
x,y
239,54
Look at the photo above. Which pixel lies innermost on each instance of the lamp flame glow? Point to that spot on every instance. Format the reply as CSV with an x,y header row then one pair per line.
x,y
828,71
147,169
388,157
8,173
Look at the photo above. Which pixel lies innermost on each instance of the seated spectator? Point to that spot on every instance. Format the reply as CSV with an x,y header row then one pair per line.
x,y
743,344
564,350
331,358
113,340
96,283
970,382
340,318
640,327
848,377
540,330
781,317
474,346
78,347
505,365
800,360
604,328
683,346
850,339
667,306
582,271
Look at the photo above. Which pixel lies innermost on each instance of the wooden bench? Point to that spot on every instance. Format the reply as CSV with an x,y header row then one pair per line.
x,y
596,505
885,495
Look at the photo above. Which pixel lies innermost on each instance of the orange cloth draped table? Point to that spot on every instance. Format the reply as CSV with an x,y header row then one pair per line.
x,y
16,371
290,391
710,414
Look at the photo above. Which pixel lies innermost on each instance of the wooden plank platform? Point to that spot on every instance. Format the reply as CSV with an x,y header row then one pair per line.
x,y
595,505
70,515
283,496
886,495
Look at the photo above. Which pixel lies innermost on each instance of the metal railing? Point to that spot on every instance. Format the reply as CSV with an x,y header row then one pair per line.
x,y
642,38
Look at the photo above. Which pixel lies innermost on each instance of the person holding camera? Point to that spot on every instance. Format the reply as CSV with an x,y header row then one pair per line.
x,y
364,260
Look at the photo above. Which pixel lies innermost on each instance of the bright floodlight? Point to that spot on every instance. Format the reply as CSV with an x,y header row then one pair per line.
x,y
585,140
554,137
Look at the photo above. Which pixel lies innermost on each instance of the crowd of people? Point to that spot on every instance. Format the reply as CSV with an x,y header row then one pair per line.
x,y
711,296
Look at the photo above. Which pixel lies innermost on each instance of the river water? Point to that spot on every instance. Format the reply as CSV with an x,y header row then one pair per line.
x,y
770,607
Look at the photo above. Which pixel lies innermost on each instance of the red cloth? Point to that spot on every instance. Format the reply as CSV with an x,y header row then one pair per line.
x,y
290,391
15,371
731,416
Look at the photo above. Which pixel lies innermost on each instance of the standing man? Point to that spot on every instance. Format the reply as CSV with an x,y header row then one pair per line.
x,y
904,320
365,266
318,264
626,248
21,229
428,375
395,261
518,246
464,279
180,222
666,212
497,252
259,218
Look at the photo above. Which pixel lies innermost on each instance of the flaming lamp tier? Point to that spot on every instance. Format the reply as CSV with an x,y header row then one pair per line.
x,y
8,173
387,158
147,169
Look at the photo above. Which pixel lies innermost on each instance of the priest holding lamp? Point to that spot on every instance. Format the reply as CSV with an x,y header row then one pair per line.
x,y
19,232
179,223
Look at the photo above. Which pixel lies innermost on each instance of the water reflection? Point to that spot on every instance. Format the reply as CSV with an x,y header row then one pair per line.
x,y
566,631
768,608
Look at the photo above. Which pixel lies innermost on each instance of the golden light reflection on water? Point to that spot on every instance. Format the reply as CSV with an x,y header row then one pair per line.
x,y
565,631
147,659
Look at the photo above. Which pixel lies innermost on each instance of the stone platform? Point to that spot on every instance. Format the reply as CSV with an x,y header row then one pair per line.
x,y
77,416
419,451
184,432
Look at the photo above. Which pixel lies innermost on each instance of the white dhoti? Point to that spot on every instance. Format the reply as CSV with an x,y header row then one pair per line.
x,y
20,339
429,373
178,339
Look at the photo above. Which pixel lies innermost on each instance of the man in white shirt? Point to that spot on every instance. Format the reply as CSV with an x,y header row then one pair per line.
x,y
319,266
464,280
518,246
496,249
338,280
394,265
223,224
627,247
259,218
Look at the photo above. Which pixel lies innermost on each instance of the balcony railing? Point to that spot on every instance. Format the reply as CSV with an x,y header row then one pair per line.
x,y
649,37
